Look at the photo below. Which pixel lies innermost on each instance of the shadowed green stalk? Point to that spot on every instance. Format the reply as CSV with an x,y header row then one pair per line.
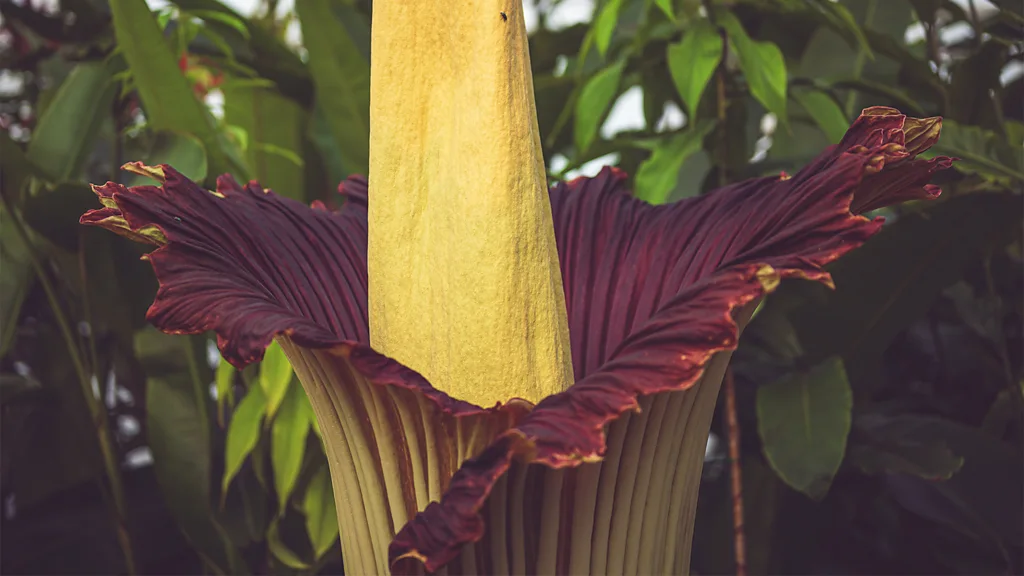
x,y
97,413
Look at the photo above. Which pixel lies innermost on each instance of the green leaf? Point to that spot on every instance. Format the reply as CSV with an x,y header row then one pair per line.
x,y
321,514
825,111
593,103
890,282
288,442
980,152
275,375
763,66
342,78
243,433
983,498
804,419
167,98
884,444
658,175
179,440
53,212
604,25
14,282
667,8
693,60
225,379
840,18
227,19
886,93
276,128
281,551
64,137
16,169
183,151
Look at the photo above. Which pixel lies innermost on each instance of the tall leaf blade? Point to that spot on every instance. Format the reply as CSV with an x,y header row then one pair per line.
x,y
165,92
693,60
178,437
288,442
272,123
342,78
658,175
604,25
825,111
67,129
804,420
763,66
243,433
593,103
321,515
275,376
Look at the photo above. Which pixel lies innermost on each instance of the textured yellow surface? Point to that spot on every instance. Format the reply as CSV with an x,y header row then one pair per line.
x,y
464,279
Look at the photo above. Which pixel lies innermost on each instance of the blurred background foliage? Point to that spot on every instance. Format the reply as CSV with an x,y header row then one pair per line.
x,y
879,425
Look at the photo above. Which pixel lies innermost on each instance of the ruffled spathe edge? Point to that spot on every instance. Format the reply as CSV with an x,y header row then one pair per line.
x,y
239,308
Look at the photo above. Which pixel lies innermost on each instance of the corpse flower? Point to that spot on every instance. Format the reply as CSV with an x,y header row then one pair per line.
x,y
508,379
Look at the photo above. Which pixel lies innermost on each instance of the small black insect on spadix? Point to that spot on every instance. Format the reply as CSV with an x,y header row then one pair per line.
x,y
504,17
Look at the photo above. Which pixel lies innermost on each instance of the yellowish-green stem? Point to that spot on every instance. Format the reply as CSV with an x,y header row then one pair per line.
x,y
464,284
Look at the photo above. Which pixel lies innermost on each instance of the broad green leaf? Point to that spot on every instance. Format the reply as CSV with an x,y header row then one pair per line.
x,y
321,514
891,444
342,78
983,497
236,23
882,92
182,151
64,137
604,25
843,21
830,55
322,151
593,104
693,60
890,282
281,551
53,212
275,375
980,152
275,127
16,169
763,66
288,442
179,440
15,280
804,419
166,96
243,432
667,8
825,111
225,379
657,176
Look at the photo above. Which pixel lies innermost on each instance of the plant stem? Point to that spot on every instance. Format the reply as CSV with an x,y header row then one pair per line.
x,y
733,424
722,144
858,63
97,411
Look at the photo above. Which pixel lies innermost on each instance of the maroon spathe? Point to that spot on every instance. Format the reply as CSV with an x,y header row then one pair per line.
x,y
651,291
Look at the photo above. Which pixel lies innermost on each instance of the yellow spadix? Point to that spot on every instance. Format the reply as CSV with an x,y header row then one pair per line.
x,y
464,284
